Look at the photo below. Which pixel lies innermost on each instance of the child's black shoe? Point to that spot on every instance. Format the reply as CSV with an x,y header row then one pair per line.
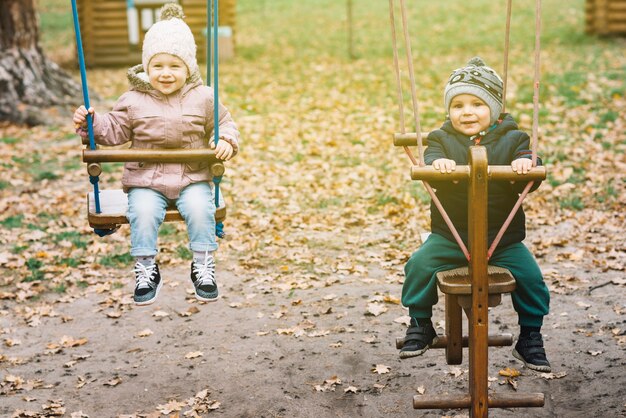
x,y
418,339
529,349
203,278
147,283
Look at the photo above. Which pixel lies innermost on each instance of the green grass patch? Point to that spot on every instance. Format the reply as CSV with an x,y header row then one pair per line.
x,y
117,260
184,252
68,261
167,230
4,184
10,140
332,201
14,221
75,237
112,167
573,202
61,288
34,267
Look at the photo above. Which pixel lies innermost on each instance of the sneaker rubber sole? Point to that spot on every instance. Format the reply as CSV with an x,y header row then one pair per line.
x,y
416,353
151,300
535,367
206,299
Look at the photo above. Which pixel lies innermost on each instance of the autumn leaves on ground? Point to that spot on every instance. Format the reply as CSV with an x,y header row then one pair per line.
x,y
322,216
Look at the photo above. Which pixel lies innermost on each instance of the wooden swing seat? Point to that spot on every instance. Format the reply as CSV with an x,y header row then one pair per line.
x,y
457,282
114,204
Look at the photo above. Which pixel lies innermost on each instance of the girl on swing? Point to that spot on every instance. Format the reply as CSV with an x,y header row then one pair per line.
x,y
167,107
473,100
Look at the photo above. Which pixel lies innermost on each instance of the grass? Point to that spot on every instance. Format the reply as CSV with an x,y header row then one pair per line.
x,y
76,238
11,222
117,260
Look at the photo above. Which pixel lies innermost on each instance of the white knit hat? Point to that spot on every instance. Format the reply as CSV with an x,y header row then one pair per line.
x,y
170,35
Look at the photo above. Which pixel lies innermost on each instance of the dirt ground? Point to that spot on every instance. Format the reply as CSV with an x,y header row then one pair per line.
x,y
325,351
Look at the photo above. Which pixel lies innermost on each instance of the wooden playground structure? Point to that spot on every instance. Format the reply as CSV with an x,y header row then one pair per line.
x,y
605,17
475,288
113,30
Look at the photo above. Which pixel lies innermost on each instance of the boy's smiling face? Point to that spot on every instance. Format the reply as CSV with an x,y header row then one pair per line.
x,y
167,73
469,114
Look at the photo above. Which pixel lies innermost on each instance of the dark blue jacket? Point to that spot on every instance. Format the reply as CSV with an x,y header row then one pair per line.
x,y
504,143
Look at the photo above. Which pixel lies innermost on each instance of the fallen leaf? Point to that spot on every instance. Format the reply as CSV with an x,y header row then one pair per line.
x,y
421,390
351,389
145,333
509,372
376,309
550,376
194,354
381,369
113,382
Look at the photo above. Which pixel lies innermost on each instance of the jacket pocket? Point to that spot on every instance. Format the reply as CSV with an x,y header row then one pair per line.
x,y
138,174
194,121
148,126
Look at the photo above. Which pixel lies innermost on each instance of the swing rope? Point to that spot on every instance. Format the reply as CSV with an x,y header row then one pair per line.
x,y
535,127
409,59
92,142
219,227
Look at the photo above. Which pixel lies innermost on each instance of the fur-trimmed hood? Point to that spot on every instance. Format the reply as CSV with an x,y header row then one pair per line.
x,y
138,80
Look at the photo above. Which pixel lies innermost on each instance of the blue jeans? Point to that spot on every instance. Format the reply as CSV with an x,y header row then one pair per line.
x,y
146,211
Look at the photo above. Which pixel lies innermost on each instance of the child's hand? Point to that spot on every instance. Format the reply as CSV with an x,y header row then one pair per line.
x,y
443,165
224,151
522,165
80,117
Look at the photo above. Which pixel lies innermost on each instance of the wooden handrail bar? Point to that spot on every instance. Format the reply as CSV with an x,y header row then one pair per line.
x,y
462,172
408,139
149,156
517,400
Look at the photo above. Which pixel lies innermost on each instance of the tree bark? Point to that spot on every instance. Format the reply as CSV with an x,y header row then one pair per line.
x,y
29,82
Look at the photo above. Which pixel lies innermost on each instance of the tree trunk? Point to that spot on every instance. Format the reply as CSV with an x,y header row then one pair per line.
x,y
29,82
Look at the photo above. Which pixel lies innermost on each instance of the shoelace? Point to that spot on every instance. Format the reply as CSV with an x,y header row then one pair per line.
x,y
205,271
144,275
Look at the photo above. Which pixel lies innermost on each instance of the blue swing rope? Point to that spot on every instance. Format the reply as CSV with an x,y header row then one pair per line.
x,y
219,227
92,142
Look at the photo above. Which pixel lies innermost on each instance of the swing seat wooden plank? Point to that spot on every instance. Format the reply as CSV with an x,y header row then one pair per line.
x,y
114,204
458,281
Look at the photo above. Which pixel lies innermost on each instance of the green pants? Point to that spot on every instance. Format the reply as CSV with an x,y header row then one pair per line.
x,y
531,298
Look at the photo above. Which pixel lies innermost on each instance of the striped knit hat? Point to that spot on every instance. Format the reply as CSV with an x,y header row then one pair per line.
x,y
478,80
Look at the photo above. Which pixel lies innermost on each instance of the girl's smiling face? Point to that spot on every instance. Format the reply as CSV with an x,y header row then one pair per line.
x,y
167,73
469,114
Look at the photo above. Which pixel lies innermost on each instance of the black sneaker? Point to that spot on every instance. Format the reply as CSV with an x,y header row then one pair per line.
x,y
203,278
531,352
147,284
418,339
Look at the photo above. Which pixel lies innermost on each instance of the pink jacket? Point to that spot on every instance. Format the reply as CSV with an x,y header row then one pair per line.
x,y
151,120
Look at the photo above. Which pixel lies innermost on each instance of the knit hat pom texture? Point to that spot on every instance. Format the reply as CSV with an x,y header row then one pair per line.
x,y
170,35
479,80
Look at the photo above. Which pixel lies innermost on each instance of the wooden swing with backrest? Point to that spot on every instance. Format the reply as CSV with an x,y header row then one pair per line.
x,y
106,209
478,286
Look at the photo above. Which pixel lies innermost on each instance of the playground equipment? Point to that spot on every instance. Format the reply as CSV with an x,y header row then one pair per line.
x,y
479,286
113,30
106,209
605,17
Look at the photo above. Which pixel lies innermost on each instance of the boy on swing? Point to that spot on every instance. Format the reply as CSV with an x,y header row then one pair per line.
x,y
167,107
473,100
